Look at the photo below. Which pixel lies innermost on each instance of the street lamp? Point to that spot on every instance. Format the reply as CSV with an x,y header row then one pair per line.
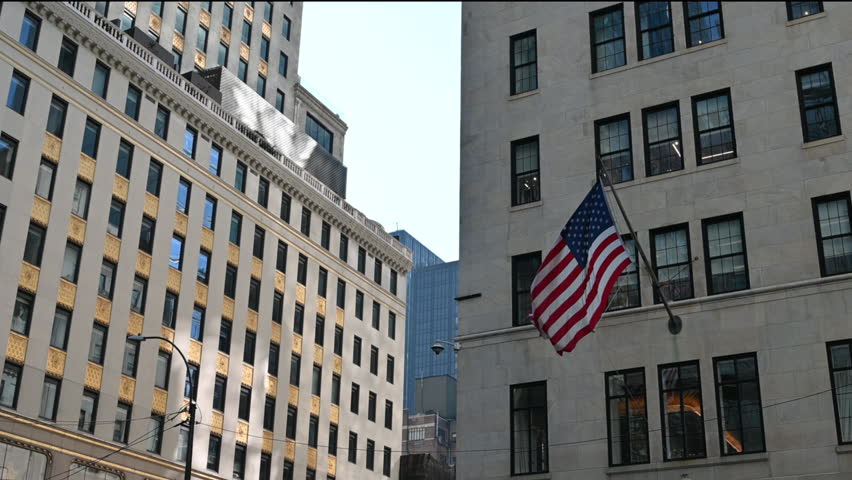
x,y
187,472
438,346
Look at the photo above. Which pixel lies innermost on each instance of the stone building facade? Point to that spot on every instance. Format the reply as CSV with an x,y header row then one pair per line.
x,y
723,125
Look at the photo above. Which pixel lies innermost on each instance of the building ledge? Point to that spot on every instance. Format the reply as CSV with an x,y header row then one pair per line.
x,y
824,141
523,95
809,18
686,464
843,449
661,58
525,206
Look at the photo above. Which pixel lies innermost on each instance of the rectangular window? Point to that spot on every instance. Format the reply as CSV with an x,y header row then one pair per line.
x,y
264,49
388,414
627,417
239,462
249,347
254,294
682,412
386,462
176,252
189,139
265,466
245,403
121,428
740,413
35,245
371,406
292,414
44,180
703,23
180,21
285,28
332,440
285,207
277,307
269,414
529,428
220,389
354,398
203,274
319,132
242,70
525,171
8,152
182,443
371,454
353,447
97,344
840,368
261,85
80,201
319,330
49,399
377,312
672,262
23,313
523,272
115,220
155,425
246,33
133,102
322,282
316,380
272,364
225,336
222,58
137,295
298,319
288,470
161,123
131,358
341,294
834,236
209,219
282,64
654,29
155,173
725,253
362,260
206,6
335,389
374,360
100,82
196,330
125,159
18,90
302,270
377,272
663,148
240,177
60,329
267,12
295,369
128,20
230,281
393,282
714,127
227,15
56,117
106,279
88,412
30,30
818,103
236,228
607,27
281,257
524,63
279,101
625,292
614,147
325,237
67,56
170,310
305,226
389,368
392,325
213,449
263,192
797,10
359,305
215,164
356,351
201,39
259,240
161,377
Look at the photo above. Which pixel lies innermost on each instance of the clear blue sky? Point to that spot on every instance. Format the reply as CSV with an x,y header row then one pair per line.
x,y
391,70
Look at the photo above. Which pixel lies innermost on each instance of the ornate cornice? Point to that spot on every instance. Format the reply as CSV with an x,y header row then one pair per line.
x,y
305,95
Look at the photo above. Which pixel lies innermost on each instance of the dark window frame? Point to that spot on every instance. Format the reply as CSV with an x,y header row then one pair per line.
x,y
515,175
670,228
707,259
663,410
512,409
517,259
790,18
697,134
717,383
513,90
639,31
687,18
802,112
831,370
645,142
818,235
598,161
609,397
594,45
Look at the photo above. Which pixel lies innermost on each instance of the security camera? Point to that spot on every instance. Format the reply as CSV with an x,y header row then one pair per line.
x,y
437,348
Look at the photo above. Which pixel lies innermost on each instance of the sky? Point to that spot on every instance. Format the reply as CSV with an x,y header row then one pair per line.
x,y
392,71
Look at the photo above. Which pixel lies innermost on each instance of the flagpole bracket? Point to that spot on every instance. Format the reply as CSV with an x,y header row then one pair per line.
x,y
675,324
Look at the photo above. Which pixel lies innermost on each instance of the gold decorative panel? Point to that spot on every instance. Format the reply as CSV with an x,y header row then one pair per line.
x,y
201,294
290,450
280,280
275,334
28,279
51,148
152,204
207,239
225,36
332,466
127,389
315,405
248,13
263,68
338,365
16,349
251,321
233,254
267,442
181,221
312,458
222,363
173,280
297,344
94,376
184,5
228,308
112,248
247,375
143,264
167,332
195,351
244,51
339,316
317,355
120,187
242,432
154,23
67,292
77,230
266,29
334,415
103,309
87,168
41,211
256,267
200,58
134,325
300,293
161,397
271,386
293,396
55,362
204,18
177,42
217,421
130,7
321,306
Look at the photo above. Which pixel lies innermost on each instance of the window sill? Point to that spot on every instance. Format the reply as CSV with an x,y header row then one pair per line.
x,y
809,18
824,141
532,476
519,96
684,464
525,206
677,173
667,56
845,448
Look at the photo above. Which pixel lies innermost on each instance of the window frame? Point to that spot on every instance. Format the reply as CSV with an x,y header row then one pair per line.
x,y
697,134
831,370
515,292
717,384
813,69
817,232
512,409
108,71
28,15
513,68
651,236
645,142
688,32
594,45
609,397
70,43
639,31
598,161
707,259
790,18
514,174
25,81
663,409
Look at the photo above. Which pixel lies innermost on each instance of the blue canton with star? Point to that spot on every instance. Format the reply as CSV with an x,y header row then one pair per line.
x,y
591,218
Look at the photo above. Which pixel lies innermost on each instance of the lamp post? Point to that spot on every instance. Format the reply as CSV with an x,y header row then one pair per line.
x,y
187,472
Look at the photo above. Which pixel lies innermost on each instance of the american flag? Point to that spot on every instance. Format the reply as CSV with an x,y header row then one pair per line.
x,y
571,287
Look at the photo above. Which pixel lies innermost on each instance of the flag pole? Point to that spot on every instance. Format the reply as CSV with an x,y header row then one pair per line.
x,y
675,323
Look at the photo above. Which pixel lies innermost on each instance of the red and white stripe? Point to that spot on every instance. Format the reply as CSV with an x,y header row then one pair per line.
x,y
568,300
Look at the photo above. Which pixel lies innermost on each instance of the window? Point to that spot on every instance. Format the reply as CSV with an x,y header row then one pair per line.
x,y
344,249
724,243
740,413
362,260
18,89
529,428
302,271
672,262
377,272
56,117
525,171
267,12
183,441
222,58
614,151
272,365
100,82
319,132
203,274
663,149
281,257
298,318
128,20
282,64
67,56
245,403
393,282
209,219
269,414
30,29
523,272
285,28
176,252
8,152
106,279
249,346
834,236
371,454
325,238
23,313
389,367
219,391
356,351
180,22
285,207
319,331
236,228
88,412
121,429
189,138
133,102
627,417
161,123
608,50
354,398
131,358
374,360
155,172
295,369
392,325
213,449
680,402
264,49
332,440
155,425
60,329
240,177
246,33
377,311
230,281
703,22
840,367
655,29
49,399
239,462
386,462
359,305
80,201
292,413
353,447
225,336
137,295
242,70
97,344
288,470
201,39
227,15
265,466
259,238
335,389
305,226
116,218
797,10
625,292
170,310
388,414
254,294
279,101
215,164
206,6
714,127
818,103
341,294
161,378
277,307
263,192
322,282
313,428
125,159
34,246
44,180
524,66
196,330
261,85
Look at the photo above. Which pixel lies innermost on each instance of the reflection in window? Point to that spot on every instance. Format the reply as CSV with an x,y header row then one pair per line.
x,y
683,419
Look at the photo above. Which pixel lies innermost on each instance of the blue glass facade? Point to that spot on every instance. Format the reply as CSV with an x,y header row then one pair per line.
x,y
431,314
